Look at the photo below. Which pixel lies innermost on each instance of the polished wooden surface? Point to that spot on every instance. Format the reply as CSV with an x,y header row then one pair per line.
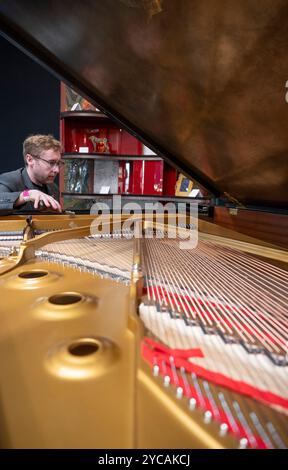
x,y
272,228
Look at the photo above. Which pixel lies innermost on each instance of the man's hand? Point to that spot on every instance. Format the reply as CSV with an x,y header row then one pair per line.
x,y
40,198
37,197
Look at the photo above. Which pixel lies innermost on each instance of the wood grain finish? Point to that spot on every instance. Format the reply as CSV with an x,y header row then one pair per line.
x,y
272,228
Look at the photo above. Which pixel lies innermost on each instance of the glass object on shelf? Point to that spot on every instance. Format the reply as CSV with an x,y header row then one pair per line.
x,y
98,136
183,186
100,144
79,141
76,102
127,177
76,176
123,177
106,173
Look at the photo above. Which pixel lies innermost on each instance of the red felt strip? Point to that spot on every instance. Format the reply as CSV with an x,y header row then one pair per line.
x,y
155,352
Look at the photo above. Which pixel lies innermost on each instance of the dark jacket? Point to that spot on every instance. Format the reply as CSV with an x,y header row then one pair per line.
x,y
14,182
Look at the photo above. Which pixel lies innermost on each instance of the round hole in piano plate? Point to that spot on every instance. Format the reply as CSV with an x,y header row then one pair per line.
x,y
83,348
32,274
82,358
65,299
30,279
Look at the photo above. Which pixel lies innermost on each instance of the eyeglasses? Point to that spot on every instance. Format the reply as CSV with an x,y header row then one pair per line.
x,y
51,163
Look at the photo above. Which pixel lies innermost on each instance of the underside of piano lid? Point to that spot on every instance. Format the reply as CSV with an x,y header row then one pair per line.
x,y
201,83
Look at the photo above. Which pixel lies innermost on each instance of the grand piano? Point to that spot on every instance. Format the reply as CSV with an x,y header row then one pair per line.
x,y
114,332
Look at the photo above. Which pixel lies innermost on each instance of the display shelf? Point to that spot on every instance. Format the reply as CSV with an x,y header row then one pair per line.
x,y
101,156
83,114
105,156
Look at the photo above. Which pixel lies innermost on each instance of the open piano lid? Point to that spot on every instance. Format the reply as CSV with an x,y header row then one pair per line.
x,y
203,83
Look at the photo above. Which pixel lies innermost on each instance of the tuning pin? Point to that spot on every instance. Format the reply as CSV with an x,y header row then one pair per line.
x,y
166,381
156,370
192,403
243,443
223,429
179,392
207,417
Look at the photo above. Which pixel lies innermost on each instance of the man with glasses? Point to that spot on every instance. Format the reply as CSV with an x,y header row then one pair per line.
x,y
32,186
